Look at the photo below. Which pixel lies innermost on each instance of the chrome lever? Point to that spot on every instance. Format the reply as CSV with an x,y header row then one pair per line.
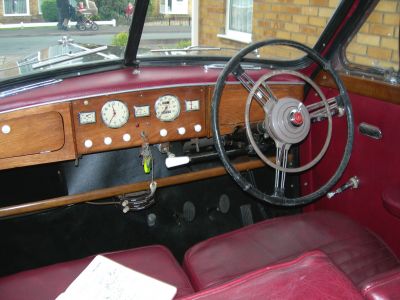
x,y
352,183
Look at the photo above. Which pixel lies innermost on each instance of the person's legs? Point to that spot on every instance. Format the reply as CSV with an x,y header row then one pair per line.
x,y
65,24
59,19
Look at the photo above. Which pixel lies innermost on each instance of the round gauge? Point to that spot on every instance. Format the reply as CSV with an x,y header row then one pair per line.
x,y
167,108
114,113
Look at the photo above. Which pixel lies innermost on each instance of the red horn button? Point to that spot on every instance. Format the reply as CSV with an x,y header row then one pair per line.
x,y
296,118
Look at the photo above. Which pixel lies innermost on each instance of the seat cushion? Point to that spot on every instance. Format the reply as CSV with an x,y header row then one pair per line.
x,y
354,250
48,282
310,276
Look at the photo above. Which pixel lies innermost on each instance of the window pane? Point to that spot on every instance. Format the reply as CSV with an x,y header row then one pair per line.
x,y
240,18
40,6
230,25
15,7
377,42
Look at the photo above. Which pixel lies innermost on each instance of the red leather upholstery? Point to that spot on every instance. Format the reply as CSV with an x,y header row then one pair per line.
x,y
310,276
355,251
383,286
391,200
48,282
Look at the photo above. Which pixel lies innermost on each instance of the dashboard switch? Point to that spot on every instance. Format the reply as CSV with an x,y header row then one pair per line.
x,y
163,132
197,127
181,130
6,129
88,143
107,140
126,137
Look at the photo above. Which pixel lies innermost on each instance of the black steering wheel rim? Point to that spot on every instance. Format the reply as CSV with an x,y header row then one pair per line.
x,y
243,182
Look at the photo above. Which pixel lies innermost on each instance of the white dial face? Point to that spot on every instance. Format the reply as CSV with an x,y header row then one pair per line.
x,y
141,111
114,113
167,108
88,117
192,105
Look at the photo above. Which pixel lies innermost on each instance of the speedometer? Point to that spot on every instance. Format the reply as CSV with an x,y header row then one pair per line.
x,y
167,108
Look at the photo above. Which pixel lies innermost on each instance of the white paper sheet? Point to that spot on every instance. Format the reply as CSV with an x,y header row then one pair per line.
x,y
105,279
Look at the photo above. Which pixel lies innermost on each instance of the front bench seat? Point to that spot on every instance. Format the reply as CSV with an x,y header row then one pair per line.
x,y
355,251
309,276
48,282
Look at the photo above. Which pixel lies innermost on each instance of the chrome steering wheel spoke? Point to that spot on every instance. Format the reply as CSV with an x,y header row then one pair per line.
x,y
263,93
282,151
318,111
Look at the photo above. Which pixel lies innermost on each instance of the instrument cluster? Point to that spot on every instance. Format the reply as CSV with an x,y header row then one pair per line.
x,y
122,120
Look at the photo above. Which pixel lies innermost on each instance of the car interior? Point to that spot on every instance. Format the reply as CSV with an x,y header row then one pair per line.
x,y
239,176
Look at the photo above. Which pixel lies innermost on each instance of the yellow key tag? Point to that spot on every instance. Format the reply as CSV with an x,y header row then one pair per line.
x,y
147,165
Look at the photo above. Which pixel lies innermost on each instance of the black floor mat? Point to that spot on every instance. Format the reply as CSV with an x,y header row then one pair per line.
x,y
84,229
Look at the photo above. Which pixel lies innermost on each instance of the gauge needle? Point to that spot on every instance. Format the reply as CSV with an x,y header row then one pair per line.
x,y
114,113
161,112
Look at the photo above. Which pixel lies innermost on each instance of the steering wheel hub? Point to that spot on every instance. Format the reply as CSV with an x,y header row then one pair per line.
x,y
296,118
289,121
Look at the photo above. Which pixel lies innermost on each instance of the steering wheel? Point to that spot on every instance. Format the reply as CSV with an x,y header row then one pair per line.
x,y
286,120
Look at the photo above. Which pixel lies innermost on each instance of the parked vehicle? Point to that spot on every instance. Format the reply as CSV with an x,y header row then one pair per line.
x,y
255,161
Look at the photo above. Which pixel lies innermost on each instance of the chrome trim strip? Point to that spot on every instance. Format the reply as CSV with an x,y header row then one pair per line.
x,y
28,87
138,90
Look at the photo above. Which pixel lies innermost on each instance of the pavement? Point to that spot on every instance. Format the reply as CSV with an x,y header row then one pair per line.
x,y
106,29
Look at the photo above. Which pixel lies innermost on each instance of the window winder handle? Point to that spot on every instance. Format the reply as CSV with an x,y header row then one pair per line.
x,y
352,183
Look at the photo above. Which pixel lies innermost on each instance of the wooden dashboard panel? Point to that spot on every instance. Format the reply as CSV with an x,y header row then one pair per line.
x,y
33,131
233,103
97,132
36,135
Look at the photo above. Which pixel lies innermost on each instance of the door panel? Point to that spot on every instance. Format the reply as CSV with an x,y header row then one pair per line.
x,y
375,162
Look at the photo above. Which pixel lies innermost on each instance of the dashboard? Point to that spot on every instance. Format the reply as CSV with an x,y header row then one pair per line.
x,y
117,110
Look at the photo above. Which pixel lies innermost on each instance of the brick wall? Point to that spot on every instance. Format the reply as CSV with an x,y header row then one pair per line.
x,y
299,20
302,21
377,42
33,17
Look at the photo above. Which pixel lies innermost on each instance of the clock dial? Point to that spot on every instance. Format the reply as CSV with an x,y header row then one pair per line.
x,y
115,113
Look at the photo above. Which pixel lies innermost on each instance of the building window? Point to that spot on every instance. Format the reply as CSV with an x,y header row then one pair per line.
x,y
239,17
16,7
40,6
376,45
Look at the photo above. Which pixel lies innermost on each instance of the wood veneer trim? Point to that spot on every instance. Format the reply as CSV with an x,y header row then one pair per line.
x,y
363,86
67,152
123,189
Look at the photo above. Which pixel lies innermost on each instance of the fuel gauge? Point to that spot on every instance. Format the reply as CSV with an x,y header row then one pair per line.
x,y
192,105
141,111
87,117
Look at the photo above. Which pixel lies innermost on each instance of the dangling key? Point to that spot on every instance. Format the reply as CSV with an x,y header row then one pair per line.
x,y
146,155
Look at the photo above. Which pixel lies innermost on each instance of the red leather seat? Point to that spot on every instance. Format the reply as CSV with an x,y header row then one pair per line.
x,y
355,251
310,276
48,282
382,286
